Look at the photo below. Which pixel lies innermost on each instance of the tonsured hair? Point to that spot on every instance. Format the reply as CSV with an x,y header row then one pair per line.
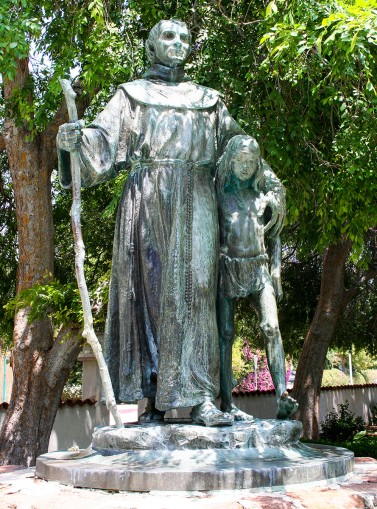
x,y
225,168
153,35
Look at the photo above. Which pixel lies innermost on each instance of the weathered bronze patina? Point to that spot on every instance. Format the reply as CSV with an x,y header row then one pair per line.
x,y
247,267
161,334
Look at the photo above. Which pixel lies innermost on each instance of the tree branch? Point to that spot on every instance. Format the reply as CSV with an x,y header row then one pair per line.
x,y
66,346
354,291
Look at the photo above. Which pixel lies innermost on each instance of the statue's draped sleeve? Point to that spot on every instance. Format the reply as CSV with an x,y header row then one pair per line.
x,y
104,146
227,127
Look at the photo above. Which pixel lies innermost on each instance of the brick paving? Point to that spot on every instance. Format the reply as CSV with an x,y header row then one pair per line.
x,y
19,489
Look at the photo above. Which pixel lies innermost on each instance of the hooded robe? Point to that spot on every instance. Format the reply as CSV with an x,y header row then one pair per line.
x,y
161,337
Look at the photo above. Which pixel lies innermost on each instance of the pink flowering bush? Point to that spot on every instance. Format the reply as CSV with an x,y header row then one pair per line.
x,y
264,380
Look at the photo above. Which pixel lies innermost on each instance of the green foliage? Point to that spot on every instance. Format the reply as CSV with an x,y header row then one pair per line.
x,y
117,191
239,364
371,376
60,302
334,377
247,324
373,412
358,378
17,25
73,387
362,446
94,40
341,425
323,56
75,376
8,242
301,286
358,327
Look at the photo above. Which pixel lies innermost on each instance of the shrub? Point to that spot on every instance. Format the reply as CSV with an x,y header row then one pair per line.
x,y
244,369
361,445
71,391
366,446
333,377
359,378
239,363
370,375
373,412
341,425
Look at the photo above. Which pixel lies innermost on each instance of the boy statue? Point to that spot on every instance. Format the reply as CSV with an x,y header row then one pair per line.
x,y
244,259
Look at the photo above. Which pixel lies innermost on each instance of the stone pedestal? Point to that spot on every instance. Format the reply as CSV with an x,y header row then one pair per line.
x,y
177,456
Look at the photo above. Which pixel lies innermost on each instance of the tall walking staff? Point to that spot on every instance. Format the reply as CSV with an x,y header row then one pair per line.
x,y
88,332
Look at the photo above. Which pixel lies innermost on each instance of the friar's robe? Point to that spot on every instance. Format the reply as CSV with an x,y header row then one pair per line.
x,y
161,337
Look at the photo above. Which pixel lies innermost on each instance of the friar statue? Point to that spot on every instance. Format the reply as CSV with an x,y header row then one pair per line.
x,y
161,337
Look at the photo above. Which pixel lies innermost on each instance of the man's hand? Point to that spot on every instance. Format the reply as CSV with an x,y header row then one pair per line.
x,y
69,136
276,222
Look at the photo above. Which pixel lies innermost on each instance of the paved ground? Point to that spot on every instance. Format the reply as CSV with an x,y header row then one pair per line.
x,y
19,489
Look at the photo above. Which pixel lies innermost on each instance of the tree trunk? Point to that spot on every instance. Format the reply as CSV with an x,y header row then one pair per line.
x,y
38,377
311,363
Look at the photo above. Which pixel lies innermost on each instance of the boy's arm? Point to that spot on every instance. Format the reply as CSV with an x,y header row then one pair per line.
x,y
274,192
274,252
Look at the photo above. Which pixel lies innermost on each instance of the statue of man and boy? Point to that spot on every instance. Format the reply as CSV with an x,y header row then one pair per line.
x,y
197,208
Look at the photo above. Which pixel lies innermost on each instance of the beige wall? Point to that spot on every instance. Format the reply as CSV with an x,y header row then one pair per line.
x,y
360,399
74,424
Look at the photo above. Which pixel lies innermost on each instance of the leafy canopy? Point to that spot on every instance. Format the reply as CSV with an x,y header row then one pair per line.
x,y
323,58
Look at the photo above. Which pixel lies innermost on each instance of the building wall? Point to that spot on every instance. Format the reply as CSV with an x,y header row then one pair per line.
x,y
74,423
360,398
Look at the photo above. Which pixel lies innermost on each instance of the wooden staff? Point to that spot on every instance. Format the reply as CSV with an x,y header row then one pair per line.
x,y
88,332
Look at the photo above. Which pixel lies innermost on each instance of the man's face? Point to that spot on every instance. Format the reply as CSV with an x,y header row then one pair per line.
x,y
172,46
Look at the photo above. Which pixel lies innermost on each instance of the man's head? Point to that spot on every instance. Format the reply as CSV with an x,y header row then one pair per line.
x,y
169,43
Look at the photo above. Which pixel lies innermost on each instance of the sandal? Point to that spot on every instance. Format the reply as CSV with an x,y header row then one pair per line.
x,y
207,414
239,415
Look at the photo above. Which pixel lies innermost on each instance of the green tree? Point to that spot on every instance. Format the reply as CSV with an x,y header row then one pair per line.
x,y
41,42
307,93
324,58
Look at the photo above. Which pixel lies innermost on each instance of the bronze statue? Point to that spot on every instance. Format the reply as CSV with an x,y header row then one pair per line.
x,y
161,338
245,220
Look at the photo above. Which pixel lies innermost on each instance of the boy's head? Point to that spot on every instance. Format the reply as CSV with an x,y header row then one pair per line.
x,y
241,159
245,158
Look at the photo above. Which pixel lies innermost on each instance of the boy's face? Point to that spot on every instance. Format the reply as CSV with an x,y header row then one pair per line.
x,y
245,163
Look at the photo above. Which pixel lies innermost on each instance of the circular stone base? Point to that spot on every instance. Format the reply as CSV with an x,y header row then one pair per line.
x,y
194,458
